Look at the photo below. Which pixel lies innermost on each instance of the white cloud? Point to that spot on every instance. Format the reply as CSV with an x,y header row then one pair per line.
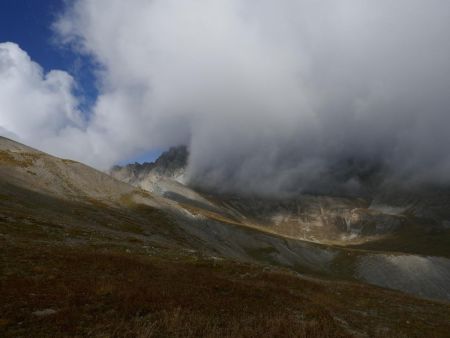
x,y
35,106
269,95
30,100
40,109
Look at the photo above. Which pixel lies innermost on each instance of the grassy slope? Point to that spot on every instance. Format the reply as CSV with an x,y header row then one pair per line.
x,y
111,292
413,240
123,271
98,268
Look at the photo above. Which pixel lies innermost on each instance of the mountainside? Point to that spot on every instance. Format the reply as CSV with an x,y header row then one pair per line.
x,y
21,165
403,230
385,212
85,254
170,164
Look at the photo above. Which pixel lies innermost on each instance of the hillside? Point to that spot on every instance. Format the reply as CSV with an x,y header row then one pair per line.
x,y
85,254
384,213
385,239
387,217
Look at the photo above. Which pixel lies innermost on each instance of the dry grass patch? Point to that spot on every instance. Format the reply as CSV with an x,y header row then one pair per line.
x,y
105,293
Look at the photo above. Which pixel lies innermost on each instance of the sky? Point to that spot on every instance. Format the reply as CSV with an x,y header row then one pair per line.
x,y
28,23
275,98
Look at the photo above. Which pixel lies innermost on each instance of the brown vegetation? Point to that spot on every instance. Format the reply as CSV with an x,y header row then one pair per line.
x,y
115,293
80,266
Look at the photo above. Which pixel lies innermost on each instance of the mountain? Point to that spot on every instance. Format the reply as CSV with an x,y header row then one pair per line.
x,y
171,164
404,230
383,213
84,254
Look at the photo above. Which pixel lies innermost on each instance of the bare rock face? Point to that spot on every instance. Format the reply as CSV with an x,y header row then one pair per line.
x,y
316,218
171,164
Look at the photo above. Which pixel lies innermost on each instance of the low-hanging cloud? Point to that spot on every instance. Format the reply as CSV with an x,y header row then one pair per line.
x,y
270,96
34,106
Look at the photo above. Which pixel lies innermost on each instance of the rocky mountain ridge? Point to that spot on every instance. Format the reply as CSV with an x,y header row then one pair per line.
x,y
69,232
388,210
170,164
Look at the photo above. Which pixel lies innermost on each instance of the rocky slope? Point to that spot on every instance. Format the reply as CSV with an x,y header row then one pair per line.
x,y
171,164
385,211
404,230
53,209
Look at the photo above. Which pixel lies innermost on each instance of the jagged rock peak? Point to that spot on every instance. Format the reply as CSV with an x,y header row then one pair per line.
x,y
170,163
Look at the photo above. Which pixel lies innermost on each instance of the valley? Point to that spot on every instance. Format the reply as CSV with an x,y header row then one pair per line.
x,y
171,260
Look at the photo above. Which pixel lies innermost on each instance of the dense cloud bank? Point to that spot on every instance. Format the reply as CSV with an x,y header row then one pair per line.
x,y
269,96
